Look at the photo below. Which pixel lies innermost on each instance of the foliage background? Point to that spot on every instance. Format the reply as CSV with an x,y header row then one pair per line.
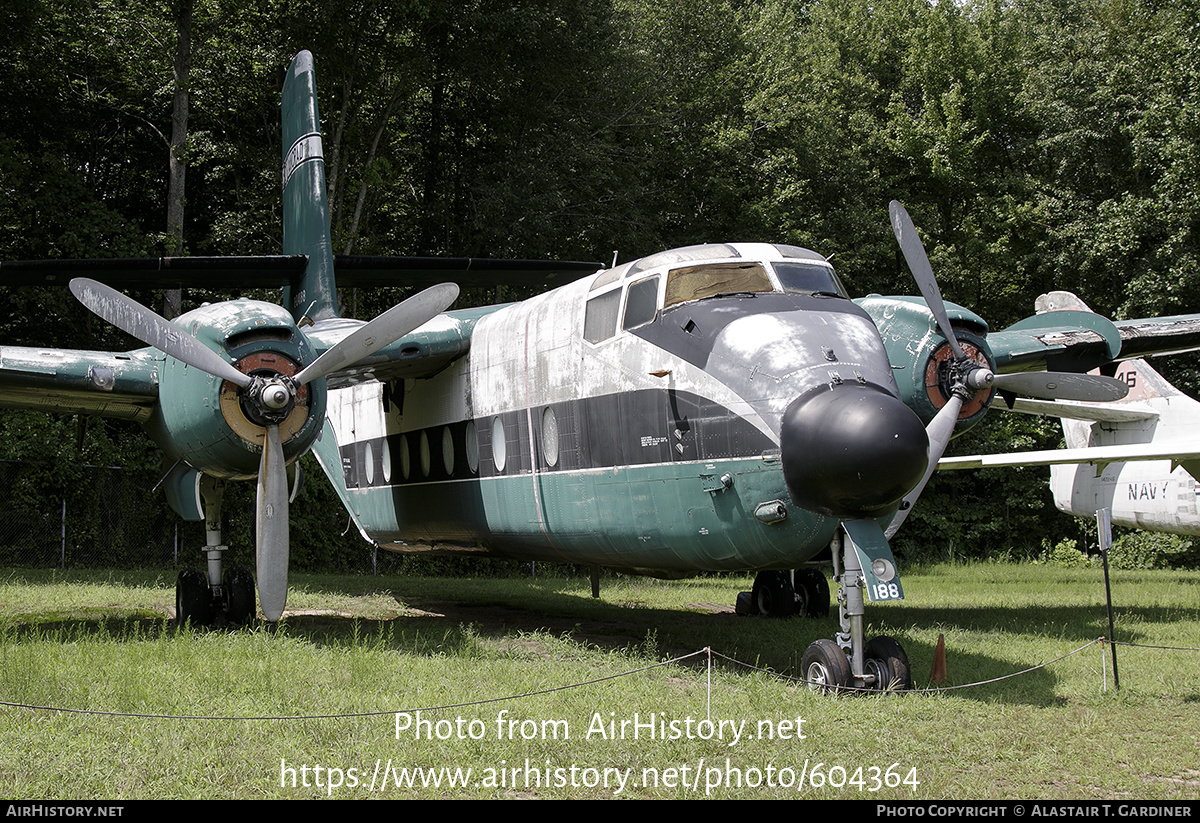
x,y
1039,144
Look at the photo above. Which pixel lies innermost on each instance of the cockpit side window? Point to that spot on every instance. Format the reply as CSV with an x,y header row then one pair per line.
x,y
600,316
808,278
641,306
698,282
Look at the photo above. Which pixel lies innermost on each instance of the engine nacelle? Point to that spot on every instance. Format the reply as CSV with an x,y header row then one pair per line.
x,y
206,422
921,356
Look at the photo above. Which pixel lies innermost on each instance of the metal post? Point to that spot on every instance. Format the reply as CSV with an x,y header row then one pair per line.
x,y
1104,533
63,551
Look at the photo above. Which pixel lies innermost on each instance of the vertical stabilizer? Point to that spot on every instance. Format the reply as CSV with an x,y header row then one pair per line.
x,y
305,202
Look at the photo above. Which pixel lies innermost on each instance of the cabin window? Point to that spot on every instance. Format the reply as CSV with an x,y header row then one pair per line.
x,y
710,280
369,463
472,445
641,306
448,451
426,461
386,458
808,278
600,317
499,448
405,457
550,436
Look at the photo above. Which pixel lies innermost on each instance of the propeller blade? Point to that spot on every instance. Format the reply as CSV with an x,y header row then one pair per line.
x,y
940,430
132,317
918,264
1051,385
382,331
272,528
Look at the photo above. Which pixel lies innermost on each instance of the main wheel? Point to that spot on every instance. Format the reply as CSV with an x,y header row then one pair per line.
x,y
892,664
239,595
773,594
193,598
825,666
812,593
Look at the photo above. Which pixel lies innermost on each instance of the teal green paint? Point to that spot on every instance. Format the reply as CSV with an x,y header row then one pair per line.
x,y
653,517
305,206
871,545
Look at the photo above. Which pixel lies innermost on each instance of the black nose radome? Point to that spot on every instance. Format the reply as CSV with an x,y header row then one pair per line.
x,y
851,451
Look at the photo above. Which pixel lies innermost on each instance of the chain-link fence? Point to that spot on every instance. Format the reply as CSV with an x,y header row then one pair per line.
x,y
55,515
88,516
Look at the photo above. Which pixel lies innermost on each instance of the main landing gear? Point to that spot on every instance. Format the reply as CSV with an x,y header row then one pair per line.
x,y
848,662
785,593
202,599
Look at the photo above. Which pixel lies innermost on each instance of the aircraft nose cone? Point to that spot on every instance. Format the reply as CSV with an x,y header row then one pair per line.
x,y
853,451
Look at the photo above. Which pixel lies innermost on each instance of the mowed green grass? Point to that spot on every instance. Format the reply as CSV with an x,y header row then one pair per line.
x,y
102,642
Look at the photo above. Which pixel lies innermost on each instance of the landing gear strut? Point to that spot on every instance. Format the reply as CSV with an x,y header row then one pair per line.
x,y
200,598
850,662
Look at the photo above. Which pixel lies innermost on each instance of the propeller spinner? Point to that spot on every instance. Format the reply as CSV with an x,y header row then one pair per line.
x,y
267,399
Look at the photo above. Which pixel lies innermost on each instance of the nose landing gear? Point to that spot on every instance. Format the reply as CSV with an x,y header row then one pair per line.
x,y
201,599
879,665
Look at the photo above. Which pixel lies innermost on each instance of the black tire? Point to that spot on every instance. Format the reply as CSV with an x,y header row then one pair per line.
x,y
744,605
825,667
193,599
893,664
812,593
773,594
239,596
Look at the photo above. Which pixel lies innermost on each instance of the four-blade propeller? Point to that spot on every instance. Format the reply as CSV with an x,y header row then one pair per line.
x,y
967,376
271,397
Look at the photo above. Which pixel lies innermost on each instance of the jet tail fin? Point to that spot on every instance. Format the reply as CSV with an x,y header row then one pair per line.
x,y
305,202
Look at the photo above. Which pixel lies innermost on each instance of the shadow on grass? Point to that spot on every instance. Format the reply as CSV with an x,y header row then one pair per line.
x,y
438,617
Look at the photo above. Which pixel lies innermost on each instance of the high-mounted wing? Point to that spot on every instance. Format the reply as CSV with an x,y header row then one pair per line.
x,y
1066,335
121,385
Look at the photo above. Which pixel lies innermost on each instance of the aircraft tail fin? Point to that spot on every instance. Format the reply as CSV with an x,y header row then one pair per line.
x,y
305,202
1144,382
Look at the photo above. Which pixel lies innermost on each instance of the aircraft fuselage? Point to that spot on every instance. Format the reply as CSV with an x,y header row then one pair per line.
x,y
621,420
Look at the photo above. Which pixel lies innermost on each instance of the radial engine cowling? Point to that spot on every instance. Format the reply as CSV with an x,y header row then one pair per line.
x,y
209,423
921,357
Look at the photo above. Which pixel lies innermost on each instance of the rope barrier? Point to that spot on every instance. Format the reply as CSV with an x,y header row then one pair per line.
x,y
707,651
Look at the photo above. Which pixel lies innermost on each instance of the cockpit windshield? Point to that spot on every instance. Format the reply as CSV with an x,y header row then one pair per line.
x,y
709,280
808,278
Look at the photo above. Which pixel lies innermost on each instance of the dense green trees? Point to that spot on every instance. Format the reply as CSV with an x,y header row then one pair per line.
x,y
1039,144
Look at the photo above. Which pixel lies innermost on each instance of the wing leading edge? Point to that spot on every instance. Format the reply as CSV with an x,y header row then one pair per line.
x,y
121,385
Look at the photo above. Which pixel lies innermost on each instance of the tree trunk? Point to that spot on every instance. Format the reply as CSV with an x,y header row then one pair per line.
x,y
173,300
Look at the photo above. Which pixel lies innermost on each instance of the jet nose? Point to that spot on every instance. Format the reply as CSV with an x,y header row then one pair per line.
x,y
852,451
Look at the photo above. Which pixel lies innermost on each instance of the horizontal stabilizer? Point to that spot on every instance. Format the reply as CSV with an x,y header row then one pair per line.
x,y
275,270
268,271
361,271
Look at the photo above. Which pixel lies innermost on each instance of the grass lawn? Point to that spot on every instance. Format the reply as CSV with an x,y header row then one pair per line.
x,y
351,646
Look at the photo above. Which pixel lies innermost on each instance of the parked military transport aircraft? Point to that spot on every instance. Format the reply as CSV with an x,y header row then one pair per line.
x,y
1138,457
722,406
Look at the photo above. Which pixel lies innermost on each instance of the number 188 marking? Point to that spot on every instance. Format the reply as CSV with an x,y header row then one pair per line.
x,y
885,591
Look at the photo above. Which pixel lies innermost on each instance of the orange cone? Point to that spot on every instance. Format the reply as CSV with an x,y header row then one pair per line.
x,y
938,674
